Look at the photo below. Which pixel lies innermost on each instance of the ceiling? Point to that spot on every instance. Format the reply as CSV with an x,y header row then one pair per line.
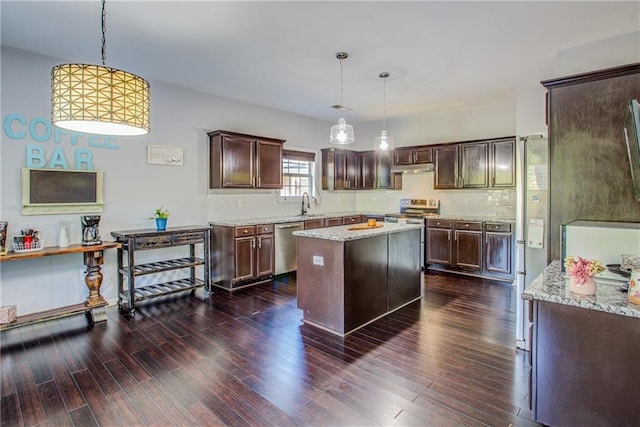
x,y
441,55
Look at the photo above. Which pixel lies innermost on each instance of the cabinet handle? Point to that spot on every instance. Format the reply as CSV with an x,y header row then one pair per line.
x,y
253,243
259,242
449,235
245,231
466,225
259,181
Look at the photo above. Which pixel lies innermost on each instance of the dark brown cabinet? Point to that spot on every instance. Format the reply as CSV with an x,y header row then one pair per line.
x,y
242,255
244,161
474,247
412,155
475,164
474,172
340,169
498,242
358,170
446,167
502,163
352,219
467,244
589,174
368,169
376,170
439,242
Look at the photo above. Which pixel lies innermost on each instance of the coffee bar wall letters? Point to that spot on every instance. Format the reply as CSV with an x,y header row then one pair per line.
x,y
50,154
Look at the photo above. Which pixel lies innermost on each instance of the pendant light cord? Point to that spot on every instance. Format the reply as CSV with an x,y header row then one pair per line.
x,y
341,82
384,103
104,32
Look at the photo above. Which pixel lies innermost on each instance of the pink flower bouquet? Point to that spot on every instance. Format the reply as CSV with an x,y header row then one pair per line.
x,y
581,270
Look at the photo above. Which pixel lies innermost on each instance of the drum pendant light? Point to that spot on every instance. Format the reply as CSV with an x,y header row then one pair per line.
x,y
342,133
384,142
98,99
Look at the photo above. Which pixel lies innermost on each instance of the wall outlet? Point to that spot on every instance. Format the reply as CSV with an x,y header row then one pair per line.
x,y
318,260
466,201
240,203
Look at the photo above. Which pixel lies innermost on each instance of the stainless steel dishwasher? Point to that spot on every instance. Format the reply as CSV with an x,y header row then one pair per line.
x,y
286,247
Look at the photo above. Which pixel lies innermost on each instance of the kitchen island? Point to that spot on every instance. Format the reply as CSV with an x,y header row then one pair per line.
x,y
585,353
348,278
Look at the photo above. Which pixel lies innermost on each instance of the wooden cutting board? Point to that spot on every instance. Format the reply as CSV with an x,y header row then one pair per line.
x,y
364,227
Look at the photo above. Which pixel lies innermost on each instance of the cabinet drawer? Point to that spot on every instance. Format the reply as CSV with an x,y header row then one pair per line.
x,y
188,238
468,225
264,229
332,222
153,242
500,227
244,231
439,223
351,219
313,223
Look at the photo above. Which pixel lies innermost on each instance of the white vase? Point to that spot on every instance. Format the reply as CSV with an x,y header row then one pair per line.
x,y
588,287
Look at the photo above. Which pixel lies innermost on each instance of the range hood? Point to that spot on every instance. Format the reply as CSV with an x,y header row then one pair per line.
x,y
421,168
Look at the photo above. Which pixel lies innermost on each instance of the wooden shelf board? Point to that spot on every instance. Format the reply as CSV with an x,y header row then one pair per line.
x,y
56,313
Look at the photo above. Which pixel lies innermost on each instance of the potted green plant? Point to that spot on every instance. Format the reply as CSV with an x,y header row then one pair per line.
x,y
160,215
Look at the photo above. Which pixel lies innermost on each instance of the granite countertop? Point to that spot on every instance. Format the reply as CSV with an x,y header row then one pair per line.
x,y
284,219
343,233
552,286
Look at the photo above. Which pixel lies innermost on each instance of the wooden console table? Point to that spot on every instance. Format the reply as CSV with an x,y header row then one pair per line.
x,y
93,259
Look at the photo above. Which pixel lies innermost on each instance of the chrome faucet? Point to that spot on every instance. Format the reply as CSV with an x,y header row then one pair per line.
x,y
308,205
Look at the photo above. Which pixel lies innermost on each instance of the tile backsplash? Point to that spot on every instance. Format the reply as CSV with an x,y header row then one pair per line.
x,y
472,202
262,203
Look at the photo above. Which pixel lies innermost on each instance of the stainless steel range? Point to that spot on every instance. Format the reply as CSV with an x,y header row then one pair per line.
x,y
414,211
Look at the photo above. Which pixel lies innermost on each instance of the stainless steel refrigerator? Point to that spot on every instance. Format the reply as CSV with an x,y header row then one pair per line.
x,y
532,218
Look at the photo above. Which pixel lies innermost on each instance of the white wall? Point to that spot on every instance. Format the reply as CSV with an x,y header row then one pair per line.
x,y
181,118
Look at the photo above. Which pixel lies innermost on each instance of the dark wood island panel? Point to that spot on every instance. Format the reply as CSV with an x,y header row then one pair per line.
x,y
343,285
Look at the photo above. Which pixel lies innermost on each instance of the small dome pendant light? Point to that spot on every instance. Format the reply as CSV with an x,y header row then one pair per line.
x,y
98,99
384,142
342,133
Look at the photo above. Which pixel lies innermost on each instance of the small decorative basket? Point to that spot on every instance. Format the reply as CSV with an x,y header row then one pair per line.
x,y
23,248
7,314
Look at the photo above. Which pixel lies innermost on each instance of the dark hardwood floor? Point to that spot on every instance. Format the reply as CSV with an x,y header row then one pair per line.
x,y
245,359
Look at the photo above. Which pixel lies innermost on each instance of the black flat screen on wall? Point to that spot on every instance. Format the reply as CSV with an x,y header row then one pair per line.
x,y
53,186
54,191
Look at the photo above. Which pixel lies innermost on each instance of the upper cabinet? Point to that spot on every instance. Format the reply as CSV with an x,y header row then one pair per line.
x,y
244,161
412,155
503,160
340,169
475,164
358,170
446,167
474,171
376,171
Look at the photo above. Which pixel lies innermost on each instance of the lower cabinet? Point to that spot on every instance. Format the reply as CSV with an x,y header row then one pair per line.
x,y
438,241
467,242
585,369
498,243
470,247
242,256
333,222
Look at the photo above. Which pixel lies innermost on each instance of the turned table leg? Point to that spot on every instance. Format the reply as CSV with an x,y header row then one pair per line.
x,y
93,279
